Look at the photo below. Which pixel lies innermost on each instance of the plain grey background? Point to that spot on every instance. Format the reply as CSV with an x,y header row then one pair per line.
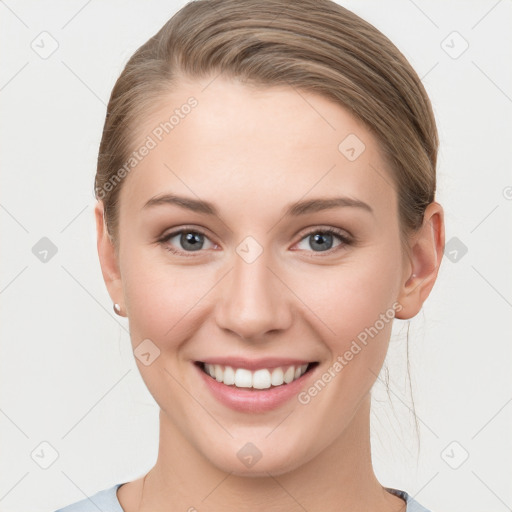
x,y
75,416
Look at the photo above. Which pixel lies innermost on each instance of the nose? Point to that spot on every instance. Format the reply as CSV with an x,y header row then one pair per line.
x,y
253,301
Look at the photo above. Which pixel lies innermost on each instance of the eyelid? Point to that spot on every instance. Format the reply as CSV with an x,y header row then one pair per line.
x,y
319,228
184,228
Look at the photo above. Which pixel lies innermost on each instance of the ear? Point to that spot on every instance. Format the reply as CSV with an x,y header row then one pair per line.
x,y
108,258
426,249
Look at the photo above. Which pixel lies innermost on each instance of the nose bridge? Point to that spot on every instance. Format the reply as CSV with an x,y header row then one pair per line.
x,y
253,300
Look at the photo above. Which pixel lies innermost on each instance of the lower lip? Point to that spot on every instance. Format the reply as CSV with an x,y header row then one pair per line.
x,y
253,400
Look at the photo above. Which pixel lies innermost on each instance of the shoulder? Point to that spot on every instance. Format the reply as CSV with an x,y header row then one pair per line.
x,y
105,500
412,504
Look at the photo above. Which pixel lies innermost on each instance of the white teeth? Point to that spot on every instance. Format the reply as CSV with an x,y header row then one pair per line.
x,y
277,377
300,370
259,379
209,370
229,376
243,378
289,374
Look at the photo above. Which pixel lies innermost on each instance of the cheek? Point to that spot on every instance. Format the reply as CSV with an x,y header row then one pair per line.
x,y
358,305
354,305
163,304
352,296
161,299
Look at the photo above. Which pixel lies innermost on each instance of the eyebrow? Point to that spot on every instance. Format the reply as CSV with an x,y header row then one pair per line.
x,y
195,205
294,210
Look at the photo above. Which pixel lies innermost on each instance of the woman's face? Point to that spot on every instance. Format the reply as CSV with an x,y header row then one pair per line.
x,y
226,257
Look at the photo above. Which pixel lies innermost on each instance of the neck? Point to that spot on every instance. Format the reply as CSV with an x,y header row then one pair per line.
x,y
340,478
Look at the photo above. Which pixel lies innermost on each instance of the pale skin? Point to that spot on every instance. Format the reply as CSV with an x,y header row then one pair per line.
x,y
251,153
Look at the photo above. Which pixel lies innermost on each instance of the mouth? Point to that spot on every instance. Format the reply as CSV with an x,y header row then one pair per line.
x,y
259,379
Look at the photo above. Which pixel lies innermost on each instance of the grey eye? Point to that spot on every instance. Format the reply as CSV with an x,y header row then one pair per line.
x,y
320,240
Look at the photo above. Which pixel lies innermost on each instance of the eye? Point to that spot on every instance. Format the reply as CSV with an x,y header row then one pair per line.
x,y
187,241
321,240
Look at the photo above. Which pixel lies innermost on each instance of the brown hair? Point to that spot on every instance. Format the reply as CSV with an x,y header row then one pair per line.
x,y
311,45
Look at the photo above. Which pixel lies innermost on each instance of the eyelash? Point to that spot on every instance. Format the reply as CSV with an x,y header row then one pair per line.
x,y
341,235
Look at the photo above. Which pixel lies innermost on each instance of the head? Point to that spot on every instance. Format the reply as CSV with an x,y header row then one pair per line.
x,y
230,137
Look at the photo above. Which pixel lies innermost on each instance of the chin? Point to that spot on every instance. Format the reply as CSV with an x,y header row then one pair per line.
x,y
251,462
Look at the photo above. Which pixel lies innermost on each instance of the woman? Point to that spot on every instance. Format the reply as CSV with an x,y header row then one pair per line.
x,y
265,188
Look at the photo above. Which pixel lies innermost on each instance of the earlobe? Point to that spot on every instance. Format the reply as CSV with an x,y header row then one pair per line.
x,y
108,257
425,256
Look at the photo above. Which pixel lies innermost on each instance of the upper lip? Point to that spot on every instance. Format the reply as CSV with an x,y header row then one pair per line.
x,y
254,364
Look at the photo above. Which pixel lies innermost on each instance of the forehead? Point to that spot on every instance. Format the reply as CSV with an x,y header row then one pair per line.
x,y
237,144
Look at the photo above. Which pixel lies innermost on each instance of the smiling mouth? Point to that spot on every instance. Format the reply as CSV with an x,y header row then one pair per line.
x,y
264,378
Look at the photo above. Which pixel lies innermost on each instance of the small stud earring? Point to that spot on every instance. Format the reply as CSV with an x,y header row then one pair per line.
x,y
117,309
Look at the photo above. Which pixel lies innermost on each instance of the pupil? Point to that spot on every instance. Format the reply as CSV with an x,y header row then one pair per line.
x,y
320,239
193,239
